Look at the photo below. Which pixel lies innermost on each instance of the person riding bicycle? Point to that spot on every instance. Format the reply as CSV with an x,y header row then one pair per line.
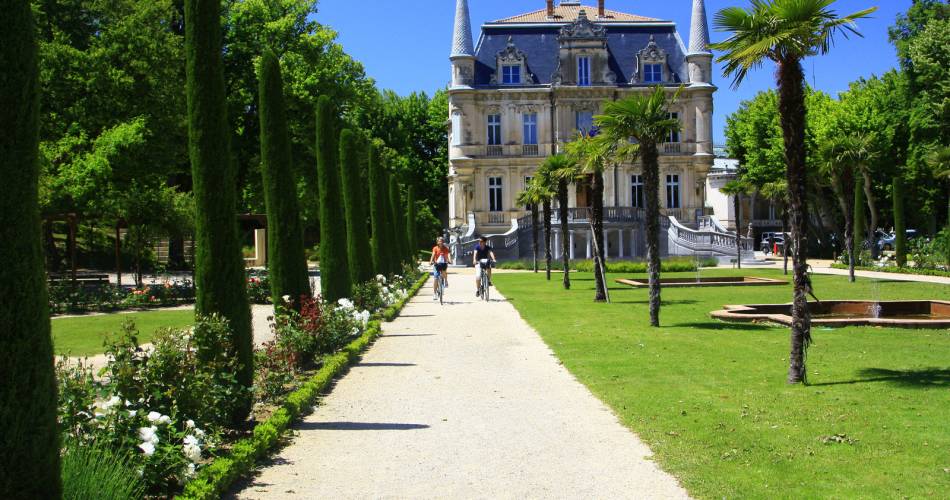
x,y
441,255
483,251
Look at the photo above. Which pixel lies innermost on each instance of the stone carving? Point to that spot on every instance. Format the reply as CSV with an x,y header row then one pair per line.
x,y
511,55
582,28
651,54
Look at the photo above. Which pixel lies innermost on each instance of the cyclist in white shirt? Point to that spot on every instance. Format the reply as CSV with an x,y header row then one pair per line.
x,y
441,255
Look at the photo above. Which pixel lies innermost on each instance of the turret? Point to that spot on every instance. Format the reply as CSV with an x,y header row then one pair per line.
x,y
699,57
463,50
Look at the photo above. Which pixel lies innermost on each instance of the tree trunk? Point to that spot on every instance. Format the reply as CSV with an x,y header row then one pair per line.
x,y
651,184
547,238
900,233
792,117
844,188
785,241
534,235
872,208
597,207
738,206
565,241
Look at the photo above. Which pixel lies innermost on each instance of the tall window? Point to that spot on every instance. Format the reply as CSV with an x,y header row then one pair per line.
x,y
583,71
636,191
674,136
530,128
494,130
511,74
672,191
585,122
494,194
652,73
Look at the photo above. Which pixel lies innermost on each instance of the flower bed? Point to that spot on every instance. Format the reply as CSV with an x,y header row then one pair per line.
x,y
164,414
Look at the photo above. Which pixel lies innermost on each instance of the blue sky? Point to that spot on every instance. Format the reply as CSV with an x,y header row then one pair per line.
x,y
404,45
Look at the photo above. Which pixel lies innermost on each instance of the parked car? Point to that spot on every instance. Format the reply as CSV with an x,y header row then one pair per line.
x,y
770,238
887,241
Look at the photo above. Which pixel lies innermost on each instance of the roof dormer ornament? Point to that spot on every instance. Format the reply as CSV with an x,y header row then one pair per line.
x,y
582,29
510,55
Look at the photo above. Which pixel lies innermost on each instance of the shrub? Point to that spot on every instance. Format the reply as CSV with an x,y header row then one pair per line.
x,y
96,471
258,287
334,274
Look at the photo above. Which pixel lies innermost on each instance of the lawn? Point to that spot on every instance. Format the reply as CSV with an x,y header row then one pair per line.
x,y
84,335
710,398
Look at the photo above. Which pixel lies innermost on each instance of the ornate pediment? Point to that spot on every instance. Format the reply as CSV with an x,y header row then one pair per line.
x,y
652,53
511,54
582,29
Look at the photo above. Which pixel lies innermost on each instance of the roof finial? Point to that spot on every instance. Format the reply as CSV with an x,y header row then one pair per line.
x,y
698,29
462,45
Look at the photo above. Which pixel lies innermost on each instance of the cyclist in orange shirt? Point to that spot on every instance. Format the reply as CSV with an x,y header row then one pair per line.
x,y
441,255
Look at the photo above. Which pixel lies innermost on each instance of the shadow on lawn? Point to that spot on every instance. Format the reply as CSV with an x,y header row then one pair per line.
x,y
921,378
662,303
718,325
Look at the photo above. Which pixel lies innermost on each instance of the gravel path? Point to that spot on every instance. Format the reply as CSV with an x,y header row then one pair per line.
x,y
458,401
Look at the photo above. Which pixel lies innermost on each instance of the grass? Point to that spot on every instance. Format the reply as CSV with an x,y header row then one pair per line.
x,y
710,398
85,335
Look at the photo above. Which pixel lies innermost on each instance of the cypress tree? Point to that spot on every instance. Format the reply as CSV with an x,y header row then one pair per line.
x,y
219,265
357,239
398,224
860,220
900,232
29,434
286,261
334,274
378,208
411,224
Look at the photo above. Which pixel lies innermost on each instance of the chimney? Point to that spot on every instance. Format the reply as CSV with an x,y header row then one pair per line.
x,y
550,8
600,9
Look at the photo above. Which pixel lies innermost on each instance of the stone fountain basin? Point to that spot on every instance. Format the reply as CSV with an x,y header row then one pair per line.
x,y
711,281
897,313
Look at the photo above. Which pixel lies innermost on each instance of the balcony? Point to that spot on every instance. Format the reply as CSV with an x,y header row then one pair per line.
x,y
672,148
494,150
529,150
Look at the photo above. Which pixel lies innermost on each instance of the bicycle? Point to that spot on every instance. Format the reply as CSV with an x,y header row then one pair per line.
x,y
439,286
483,283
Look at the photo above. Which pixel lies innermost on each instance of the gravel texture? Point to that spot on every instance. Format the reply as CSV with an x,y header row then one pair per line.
x,y
458,401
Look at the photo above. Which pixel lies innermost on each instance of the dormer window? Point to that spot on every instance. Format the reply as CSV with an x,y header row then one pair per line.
x,y
652,64
652,73
511,74
511,66
583,71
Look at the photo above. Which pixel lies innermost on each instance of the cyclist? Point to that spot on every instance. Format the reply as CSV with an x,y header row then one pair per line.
x,y
441,255
482,252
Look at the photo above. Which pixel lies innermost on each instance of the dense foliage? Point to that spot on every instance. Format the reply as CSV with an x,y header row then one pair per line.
x,y
29,467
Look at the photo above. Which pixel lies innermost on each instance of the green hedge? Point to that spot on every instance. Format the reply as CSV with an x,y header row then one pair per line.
x,y
212,481
897,270
669,265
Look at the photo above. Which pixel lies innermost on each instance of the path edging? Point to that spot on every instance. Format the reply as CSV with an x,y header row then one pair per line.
x,y
215,478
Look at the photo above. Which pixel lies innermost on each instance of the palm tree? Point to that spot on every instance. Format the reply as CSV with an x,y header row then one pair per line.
x,y
838,170
592,156
785,32
774,191
858,151
545,188
633,127
530,197
736,188
562,171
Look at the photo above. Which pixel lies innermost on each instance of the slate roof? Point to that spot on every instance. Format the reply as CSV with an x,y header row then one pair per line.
x,y
541,47
567,13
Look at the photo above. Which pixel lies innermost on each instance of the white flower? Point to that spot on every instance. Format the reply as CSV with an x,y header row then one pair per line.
x,y
164,419
192,452
133,413
190,424
345,303
189,439
153,416
286,298
149,434
380,278
198,432
113,401
128,403
190,470
148,447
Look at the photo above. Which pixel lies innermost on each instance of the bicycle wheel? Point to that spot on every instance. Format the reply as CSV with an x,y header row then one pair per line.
x,y
441,289
485,285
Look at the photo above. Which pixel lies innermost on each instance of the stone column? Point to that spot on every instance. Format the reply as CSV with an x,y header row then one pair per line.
x,y
571,243
620,242
555,251
590,239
